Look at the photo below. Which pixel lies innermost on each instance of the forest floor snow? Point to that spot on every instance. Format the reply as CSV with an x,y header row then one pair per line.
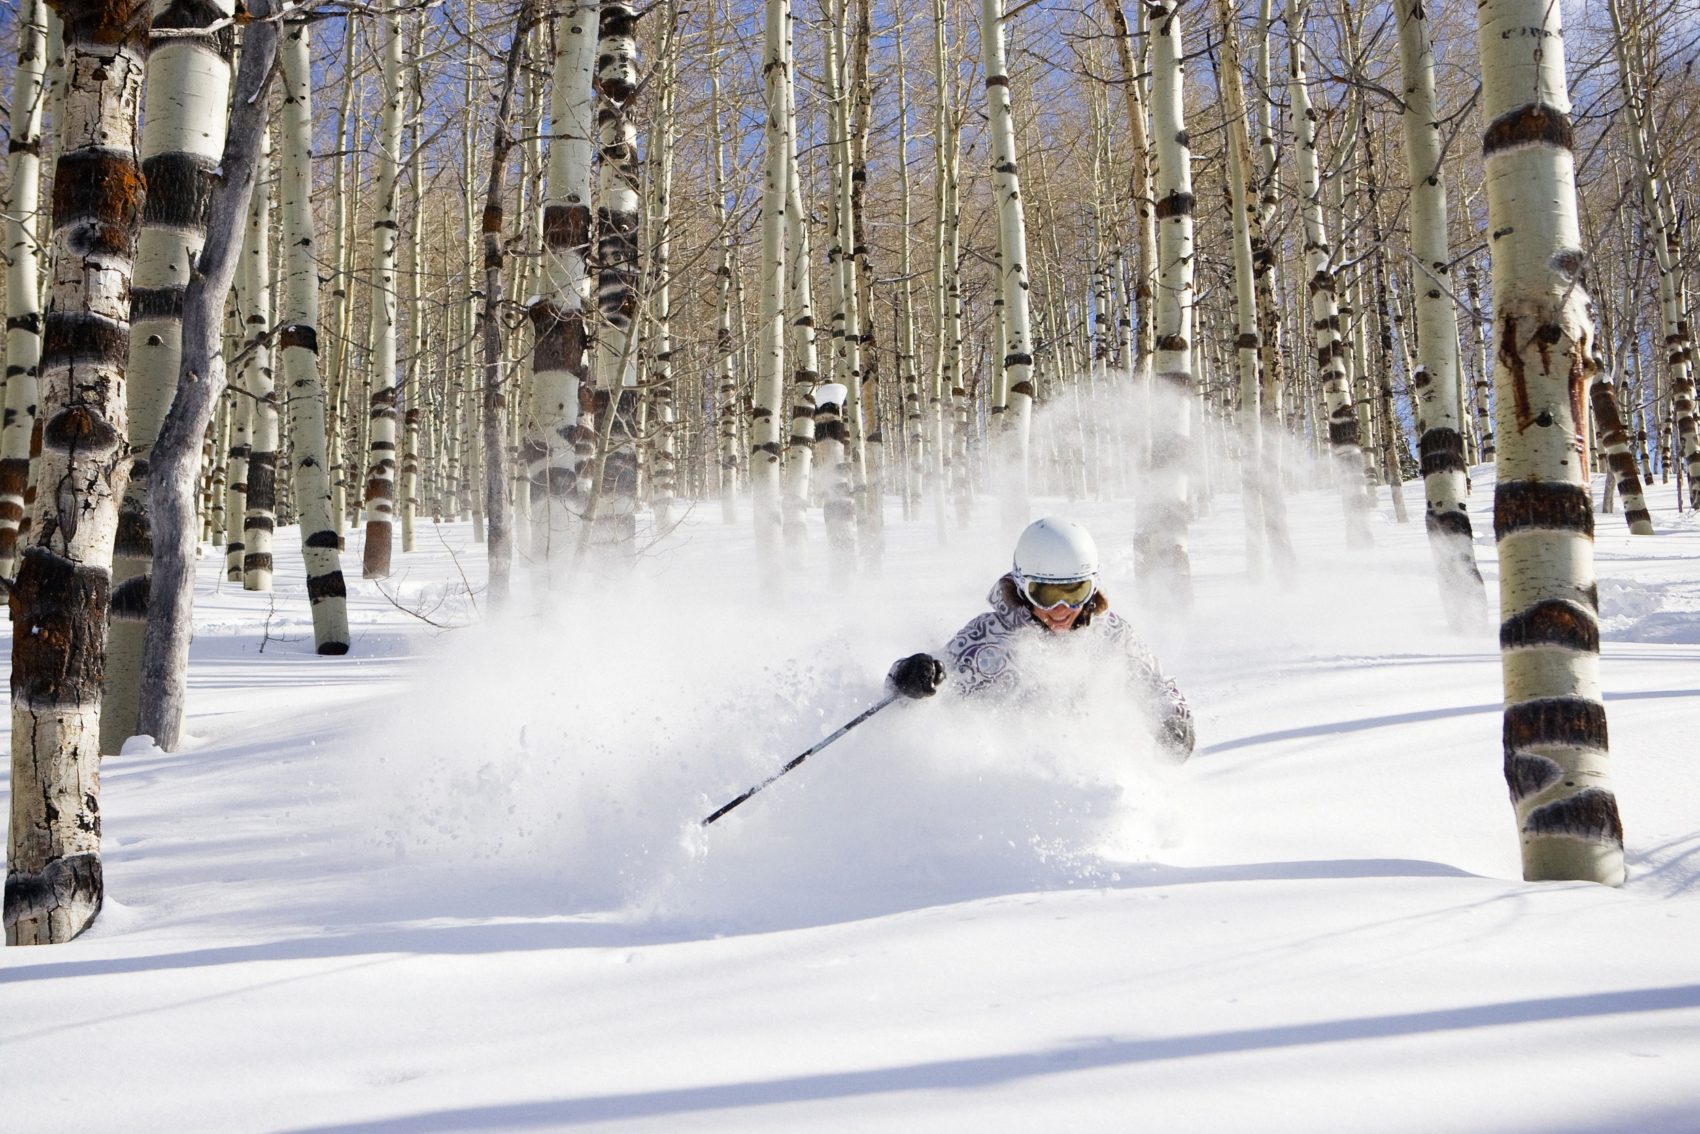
x,y
455,881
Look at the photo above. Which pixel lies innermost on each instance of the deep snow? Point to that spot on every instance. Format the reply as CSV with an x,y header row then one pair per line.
x,y
455,880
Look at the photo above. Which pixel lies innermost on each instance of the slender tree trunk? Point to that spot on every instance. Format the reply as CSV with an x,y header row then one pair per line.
x,y
298,346
497,506
23,274
255,289
1161,537
1343,428
1666,239
725,342
1246,342
1435,383
804,353
769,391
386,231
1014,374
1144,200
1555,718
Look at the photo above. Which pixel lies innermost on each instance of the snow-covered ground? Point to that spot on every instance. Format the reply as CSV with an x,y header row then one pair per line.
x,y
455,880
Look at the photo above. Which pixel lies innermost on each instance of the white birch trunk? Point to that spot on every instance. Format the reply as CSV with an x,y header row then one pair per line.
x,y
63,589
1555,718
254,287
769,390
1013,388
559,370
1161,536
1343,428
187,88
298,346
1440,447
615,498
380,491
23,275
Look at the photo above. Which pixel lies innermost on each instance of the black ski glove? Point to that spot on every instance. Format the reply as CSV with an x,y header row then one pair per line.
x,y
917,675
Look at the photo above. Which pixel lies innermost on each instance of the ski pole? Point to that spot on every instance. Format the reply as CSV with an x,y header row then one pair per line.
x,y
804,755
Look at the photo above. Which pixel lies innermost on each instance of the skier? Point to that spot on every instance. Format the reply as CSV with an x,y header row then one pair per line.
x,y
1051,595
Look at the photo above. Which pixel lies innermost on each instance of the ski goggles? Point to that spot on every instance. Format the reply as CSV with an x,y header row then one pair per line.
x,y
1044,595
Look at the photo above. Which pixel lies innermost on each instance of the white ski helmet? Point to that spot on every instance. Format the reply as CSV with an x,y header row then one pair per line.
x,y
1055,550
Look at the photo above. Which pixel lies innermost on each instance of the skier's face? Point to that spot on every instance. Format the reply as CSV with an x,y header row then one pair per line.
x,y
1058,619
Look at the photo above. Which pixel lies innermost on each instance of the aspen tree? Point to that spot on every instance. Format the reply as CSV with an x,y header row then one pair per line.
x,y
1555,718
1343,428
410,386
1144,199
239,408
769,389
1666,239
1246,343
836,434
386,231
617,234
947,471
497,504
63,588
1013,374
341,322
201,382
186,89
560,332
908,369
803,350
23,271
725,344
254,288
663,449
1161,536
298,346
1435,382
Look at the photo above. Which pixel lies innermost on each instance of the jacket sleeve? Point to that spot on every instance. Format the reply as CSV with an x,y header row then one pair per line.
x,y
1168,704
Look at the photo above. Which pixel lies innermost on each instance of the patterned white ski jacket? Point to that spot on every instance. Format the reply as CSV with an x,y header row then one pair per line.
x,y
986,655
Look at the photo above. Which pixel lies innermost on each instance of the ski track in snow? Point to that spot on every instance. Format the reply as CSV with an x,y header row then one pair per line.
x,y
456,880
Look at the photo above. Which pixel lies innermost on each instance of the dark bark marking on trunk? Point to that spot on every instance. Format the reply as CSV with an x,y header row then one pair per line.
x,y
1551,623
1571,721
59,612
1541,505
1590,815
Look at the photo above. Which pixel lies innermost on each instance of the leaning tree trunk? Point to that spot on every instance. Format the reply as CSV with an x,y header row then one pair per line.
x,y
1161,539
23,271
386,230
64,584
1435,383
176,452
1555,718
298,344
187,88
